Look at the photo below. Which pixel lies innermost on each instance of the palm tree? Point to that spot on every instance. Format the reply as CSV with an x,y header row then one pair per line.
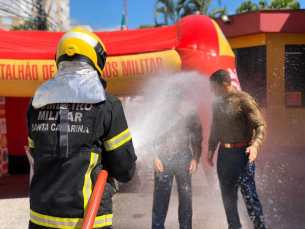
x,y
186,10
174,10
284,4
200,6
217,12
170,10
263,4
246,6
293,5
183,9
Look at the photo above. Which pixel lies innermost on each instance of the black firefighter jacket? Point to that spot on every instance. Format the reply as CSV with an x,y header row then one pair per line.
x,y
61,187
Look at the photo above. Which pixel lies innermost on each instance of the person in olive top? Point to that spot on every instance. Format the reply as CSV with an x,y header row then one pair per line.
x,y
178,154
240,128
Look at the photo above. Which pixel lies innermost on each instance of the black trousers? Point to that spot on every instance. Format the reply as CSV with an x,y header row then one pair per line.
x,y
173,165
234,171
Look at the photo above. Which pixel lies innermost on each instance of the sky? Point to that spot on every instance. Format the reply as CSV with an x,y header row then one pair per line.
x,y
106,15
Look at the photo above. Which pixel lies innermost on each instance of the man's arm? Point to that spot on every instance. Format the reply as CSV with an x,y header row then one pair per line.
x,y
196,136
196,139
213,141
119,155
157,147
257,122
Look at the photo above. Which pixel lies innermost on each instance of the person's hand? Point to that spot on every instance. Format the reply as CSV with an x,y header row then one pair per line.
x,y
193,166
209,158
158,165
252,151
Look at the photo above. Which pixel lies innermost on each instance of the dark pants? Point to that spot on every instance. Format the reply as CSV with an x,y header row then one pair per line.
x,y
173,165
234,170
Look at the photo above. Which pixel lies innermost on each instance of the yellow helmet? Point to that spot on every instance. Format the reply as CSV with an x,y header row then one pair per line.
x,y
81,45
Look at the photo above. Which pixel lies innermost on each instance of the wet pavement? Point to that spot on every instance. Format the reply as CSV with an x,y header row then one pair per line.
x,y
280,185
14,201
136,205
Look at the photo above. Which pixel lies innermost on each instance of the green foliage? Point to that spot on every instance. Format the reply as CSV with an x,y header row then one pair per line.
x,y
248,6
27,25
217,12
174,10
284,4
146,26
168,8
263,4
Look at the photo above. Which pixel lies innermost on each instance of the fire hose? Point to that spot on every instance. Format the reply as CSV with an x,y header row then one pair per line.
x,y
95,199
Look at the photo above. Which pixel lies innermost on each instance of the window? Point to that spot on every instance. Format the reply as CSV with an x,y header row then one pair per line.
x,y
294,75
7,20
7,2
251,71
54,7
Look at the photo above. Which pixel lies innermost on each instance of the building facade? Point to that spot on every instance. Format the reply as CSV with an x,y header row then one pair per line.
x,y
269,47
16,12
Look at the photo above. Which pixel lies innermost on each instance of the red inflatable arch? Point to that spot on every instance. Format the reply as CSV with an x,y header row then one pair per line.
x,y
195,43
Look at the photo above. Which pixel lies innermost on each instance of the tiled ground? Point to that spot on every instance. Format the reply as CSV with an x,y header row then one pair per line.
x,y
280,183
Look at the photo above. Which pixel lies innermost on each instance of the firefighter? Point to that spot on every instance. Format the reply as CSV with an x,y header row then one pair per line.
x,y
75,129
